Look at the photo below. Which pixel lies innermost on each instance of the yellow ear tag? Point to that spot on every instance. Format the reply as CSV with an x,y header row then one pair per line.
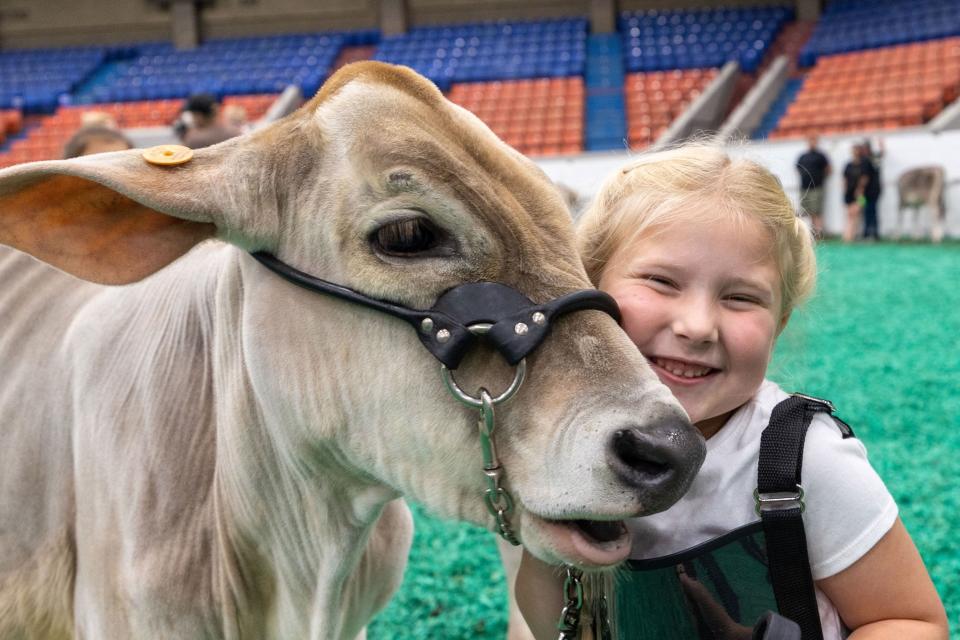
x,y
168,155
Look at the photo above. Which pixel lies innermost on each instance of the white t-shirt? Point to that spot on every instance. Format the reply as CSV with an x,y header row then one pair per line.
x,y
848,508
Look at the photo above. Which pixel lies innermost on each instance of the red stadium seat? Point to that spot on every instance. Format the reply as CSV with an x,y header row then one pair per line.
x,y
904,85
541,116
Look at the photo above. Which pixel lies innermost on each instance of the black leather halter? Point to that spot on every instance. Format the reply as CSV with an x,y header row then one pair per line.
x,y
517,325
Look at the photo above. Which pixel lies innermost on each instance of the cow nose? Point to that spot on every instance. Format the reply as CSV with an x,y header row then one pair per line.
x,y
658,461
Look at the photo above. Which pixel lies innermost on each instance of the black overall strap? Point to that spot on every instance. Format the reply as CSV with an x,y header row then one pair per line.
x,y
779,498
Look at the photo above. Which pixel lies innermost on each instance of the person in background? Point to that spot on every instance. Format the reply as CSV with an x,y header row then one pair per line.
x,y
814,167
201,126
854,183
98,119
872,160
95,139
235,117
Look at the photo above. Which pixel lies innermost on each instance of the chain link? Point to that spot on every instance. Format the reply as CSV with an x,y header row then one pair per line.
x,y
498,500
569,623
602,619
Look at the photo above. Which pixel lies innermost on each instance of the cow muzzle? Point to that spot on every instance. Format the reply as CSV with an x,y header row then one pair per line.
x,y
646,468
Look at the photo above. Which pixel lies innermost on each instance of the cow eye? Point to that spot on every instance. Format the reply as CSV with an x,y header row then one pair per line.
x,y
411,237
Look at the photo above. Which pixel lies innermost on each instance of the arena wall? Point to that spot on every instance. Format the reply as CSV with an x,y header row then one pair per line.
x,y
49,23
634,5
52,23
234,18
905,149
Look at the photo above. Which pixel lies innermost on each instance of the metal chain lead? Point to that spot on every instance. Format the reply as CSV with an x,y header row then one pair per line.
x,y
569,623
602,619
498,500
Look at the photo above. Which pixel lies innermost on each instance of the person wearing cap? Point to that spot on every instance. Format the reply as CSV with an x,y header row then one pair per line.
x,y
202,126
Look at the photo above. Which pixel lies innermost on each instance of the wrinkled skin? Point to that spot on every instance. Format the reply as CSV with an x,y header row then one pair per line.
x,y
213,452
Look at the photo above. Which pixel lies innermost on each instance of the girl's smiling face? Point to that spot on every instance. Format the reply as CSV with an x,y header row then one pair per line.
x,y
703,303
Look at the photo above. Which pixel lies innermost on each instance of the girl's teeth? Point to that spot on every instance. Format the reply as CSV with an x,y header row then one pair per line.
x,y
683,372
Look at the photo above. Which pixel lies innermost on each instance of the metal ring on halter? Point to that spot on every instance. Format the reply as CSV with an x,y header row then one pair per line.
x,y
473,401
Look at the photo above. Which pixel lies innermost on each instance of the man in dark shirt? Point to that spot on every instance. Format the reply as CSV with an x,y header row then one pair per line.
x,y
871,191
855,177
814,167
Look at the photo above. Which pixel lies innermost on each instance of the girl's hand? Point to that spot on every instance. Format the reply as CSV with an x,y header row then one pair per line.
x,y
888,594
712,612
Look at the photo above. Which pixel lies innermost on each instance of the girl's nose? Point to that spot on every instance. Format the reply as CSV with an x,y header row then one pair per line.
x,y
696,321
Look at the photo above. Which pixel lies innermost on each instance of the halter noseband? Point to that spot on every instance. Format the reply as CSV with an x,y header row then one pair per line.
x,y
517,326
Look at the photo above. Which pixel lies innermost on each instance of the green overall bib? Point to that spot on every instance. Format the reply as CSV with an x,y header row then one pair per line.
x,y
721,588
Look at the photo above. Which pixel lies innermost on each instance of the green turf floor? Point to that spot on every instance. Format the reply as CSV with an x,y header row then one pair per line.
x,y
881,339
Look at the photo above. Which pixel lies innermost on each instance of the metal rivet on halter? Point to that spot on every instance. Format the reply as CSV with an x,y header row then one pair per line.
x,y
443,335
521,329
426,325
538,318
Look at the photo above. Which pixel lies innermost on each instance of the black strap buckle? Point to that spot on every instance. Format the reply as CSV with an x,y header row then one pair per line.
x,y
778,500
845,429
826,404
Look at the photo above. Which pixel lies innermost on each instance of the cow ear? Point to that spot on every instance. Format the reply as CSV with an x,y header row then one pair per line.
x,y
115,218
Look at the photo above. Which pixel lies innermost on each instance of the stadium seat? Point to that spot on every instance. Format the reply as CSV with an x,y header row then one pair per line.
x,y
854,25
46,141
221,67
490,51
537,117
656,40
656,98
899,86
35,81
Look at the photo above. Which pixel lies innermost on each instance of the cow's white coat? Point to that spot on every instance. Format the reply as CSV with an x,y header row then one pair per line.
x,y
211,452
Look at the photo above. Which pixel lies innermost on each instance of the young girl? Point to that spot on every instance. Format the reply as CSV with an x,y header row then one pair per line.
x,y
707,259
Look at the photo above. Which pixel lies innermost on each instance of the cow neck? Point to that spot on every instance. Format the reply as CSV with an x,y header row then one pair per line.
x,y
316,544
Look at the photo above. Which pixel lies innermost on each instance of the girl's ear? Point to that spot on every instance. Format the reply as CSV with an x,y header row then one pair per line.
x,y
784,319
115,218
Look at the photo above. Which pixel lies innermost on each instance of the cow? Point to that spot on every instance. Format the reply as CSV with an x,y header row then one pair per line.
x,y
918,188
194,446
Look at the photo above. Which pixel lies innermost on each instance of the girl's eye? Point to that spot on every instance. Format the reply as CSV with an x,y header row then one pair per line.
x,y
743,299
660,280
412,237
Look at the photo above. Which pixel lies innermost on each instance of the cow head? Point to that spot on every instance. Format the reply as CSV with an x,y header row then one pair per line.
x,y
381,185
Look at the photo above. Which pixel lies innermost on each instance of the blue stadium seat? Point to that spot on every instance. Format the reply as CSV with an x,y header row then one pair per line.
x,y
853,25
657,40
38,80
222,67
491,50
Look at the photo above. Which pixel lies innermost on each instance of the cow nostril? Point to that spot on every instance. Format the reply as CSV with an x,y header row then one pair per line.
x,y
658,461
636,458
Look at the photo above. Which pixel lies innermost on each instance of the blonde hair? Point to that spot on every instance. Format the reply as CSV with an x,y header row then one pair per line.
x,y
697,183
